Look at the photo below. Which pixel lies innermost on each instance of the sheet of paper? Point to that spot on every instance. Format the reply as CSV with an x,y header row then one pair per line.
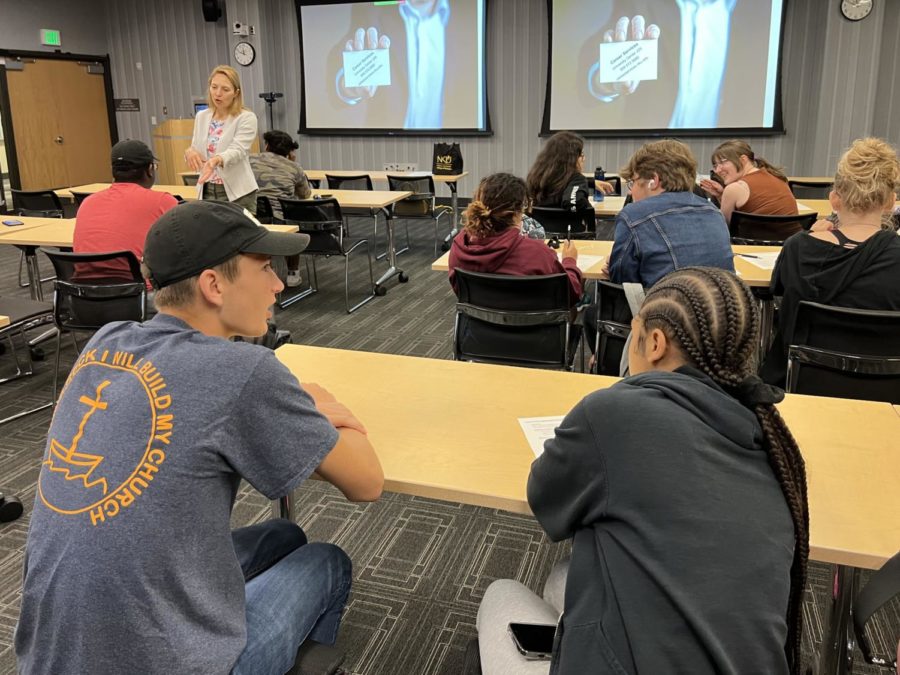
x,y
626,61
765,261
539,429
803,208
585,262
368,68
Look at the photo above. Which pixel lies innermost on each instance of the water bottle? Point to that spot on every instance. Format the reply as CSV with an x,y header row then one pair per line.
x,y
599,174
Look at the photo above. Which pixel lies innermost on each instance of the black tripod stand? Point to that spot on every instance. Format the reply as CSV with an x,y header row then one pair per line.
x,y
270,97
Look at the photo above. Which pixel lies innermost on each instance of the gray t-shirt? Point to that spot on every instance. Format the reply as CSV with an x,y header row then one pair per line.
x,y
129,563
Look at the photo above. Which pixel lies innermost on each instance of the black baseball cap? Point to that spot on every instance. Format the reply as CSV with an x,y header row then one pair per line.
x,y
131,153
198,235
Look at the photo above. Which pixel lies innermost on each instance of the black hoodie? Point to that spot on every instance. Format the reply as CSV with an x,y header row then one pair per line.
x,y
865,277
683,540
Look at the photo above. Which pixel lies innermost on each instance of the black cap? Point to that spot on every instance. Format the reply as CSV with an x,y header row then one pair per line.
x,y
131,153
198,235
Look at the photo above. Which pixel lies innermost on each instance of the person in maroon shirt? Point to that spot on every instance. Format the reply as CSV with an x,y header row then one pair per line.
x,y
491,241
118,218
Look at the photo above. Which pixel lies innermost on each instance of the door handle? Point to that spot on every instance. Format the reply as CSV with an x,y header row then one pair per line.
x,y
58,140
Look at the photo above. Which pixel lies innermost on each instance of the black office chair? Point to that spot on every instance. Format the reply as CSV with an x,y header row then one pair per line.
x,y
565,223
882,588
80,197
35,204
514,320
265,209
806,189
92,290
420,205
613,327
362,181
23,315
755,229
845,353
323,221
191,180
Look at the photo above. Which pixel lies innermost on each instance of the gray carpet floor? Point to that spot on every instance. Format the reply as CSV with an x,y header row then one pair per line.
x,y
420,565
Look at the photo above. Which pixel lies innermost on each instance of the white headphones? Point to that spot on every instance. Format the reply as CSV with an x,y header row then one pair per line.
x,y
651,184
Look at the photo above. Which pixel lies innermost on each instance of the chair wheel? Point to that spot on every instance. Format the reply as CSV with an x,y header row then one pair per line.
x,y
380,291
37,354
403,278
10,509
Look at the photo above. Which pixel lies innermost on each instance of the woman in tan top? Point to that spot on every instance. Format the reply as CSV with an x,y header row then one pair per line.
x,y
752,184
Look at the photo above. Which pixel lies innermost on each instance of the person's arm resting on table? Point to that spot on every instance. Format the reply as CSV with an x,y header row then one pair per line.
x,y
352,465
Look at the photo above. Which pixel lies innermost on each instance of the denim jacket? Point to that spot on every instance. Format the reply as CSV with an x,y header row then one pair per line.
x,y
666,232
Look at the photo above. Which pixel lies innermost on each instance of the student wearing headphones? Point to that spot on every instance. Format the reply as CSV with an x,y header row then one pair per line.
x,y
667,226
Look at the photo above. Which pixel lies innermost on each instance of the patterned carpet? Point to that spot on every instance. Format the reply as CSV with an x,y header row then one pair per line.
x,y
420,565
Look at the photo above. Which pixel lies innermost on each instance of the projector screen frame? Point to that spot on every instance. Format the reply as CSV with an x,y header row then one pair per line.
x,y
777,128
306,130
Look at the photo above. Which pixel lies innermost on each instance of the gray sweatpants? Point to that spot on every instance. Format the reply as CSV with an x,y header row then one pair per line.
x,y
507,601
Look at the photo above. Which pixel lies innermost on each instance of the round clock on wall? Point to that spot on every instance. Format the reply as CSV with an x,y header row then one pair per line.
x,y
855,10
244,53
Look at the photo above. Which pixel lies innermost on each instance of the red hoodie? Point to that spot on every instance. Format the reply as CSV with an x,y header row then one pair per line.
x,y
511,253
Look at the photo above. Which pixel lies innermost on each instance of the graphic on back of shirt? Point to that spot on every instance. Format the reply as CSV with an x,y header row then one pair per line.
x,y
108,439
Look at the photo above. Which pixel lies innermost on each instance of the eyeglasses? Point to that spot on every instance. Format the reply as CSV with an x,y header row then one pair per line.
x,y
719,162
629,184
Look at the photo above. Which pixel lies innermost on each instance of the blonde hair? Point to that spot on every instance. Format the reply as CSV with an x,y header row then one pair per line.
x,y
183,293
671,160
868,175
731,151
231,74
496,206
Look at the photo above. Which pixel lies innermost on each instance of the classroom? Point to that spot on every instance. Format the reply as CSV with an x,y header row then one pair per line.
x,y
449,336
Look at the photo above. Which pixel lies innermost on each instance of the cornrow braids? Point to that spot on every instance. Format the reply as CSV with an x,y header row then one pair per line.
x,y
711,316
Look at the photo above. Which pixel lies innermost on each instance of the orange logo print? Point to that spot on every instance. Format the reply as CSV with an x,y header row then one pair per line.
x,y
102,467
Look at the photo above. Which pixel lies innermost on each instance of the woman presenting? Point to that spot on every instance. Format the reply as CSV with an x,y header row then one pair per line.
x,y
223,135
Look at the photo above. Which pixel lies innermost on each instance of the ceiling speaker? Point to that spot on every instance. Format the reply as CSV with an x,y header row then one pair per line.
x,y
211,10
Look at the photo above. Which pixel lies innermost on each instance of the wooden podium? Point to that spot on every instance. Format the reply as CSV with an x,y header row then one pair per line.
x,y
170,140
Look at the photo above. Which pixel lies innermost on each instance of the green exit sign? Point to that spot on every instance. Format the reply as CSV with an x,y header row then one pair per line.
x,y
50,37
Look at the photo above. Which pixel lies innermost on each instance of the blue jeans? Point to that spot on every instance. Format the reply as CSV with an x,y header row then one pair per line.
x,y
294,591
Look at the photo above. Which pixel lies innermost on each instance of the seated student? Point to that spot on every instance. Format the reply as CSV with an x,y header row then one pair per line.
x,y
556,178
278,175
118,218
130,562
667,226
684,494
491,240
854,262
752,185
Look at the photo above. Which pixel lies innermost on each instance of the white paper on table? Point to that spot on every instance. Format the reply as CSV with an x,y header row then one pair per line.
x,y
367,68
627,61
539,429
585,262
764,261
803,208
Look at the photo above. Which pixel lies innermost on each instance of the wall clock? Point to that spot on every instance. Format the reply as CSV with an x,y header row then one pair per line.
x,y
856,10
244,53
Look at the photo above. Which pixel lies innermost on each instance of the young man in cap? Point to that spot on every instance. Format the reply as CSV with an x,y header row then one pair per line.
x,y
130,563
118,218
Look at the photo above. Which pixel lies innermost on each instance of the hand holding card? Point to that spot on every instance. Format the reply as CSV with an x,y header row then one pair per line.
x,y
625,58
367,63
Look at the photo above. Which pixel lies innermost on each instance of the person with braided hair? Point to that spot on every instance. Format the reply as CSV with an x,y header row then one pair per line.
x,y
492,242
684,494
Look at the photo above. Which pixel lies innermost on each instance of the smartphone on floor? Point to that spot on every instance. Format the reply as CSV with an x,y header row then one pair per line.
x,y
533,640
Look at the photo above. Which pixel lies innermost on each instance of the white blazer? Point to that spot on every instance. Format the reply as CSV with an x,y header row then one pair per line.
x,y
233,148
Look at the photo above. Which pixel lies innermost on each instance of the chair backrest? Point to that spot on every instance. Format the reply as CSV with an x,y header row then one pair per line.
x,y
321,219
883,586
190,180
362,181
416,205
44,201
564,222
512,320
264,211
756,227
80,197
616,182
804,189
93,289
845,353
614,326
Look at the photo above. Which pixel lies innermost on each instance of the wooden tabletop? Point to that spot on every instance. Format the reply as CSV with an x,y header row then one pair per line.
x,y
427,450
186,192
377,176
29,222
610,206
61,232
363,199
4,321
750,273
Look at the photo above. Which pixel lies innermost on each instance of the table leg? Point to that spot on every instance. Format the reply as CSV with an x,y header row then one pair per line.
x,y
454,205
836,654
392,269
284,507
34,273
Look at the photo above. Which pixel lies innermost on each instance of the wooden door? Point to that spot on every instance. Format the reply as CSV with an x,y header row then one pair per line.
x,y
60,122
